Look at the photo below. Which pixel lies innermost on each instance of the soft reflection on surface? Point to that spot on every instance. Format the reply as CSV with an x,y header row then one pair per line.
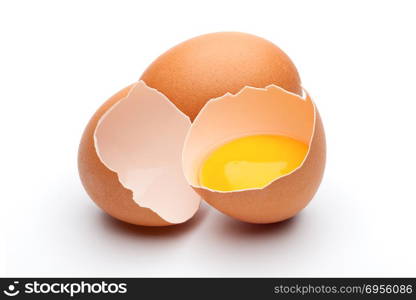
x,y
245,230
119,227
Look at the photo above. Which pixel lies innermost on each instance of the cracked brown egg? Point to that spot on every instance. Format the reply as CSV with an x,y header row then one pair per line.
x,y
222,117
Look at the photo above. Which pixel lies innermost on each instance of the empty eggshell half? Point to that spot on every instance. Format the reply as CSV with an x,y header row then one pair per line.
x,y
252,111
139,140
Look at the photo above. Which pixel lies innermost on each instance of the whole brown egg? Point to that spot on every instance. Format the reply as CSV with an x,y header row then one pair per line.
x,y
211,65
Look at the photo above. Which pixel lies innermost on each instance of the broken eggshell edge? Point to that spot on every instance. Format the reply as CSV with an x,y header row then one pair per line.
x,y
131,197
285,196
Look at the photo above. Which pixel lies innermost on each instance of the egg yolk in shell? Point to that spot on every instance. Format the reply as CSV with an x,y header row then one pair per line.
x,y
251,162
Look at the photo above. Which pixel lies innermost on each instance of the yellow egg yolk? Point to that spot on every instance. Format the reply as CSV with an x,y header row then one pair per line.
x,y
251,162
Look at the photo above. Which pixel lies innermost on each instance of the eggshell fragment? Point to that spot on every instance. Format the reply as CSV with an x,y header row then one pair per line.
x,y
252,111
139,141
211,65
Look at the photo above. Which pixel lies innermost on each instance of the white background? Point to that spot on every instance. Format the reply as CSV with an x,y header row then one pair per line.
x,y
59,60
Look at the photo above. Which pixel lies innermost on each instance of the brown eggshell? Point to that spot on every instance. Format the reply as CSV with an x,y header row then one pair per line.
x,y
276,112
102,185
211,65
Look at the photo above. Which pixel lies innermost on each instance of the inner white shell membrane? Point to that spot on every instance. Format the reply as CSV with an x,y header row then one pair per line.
x,y
252,111
141,139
